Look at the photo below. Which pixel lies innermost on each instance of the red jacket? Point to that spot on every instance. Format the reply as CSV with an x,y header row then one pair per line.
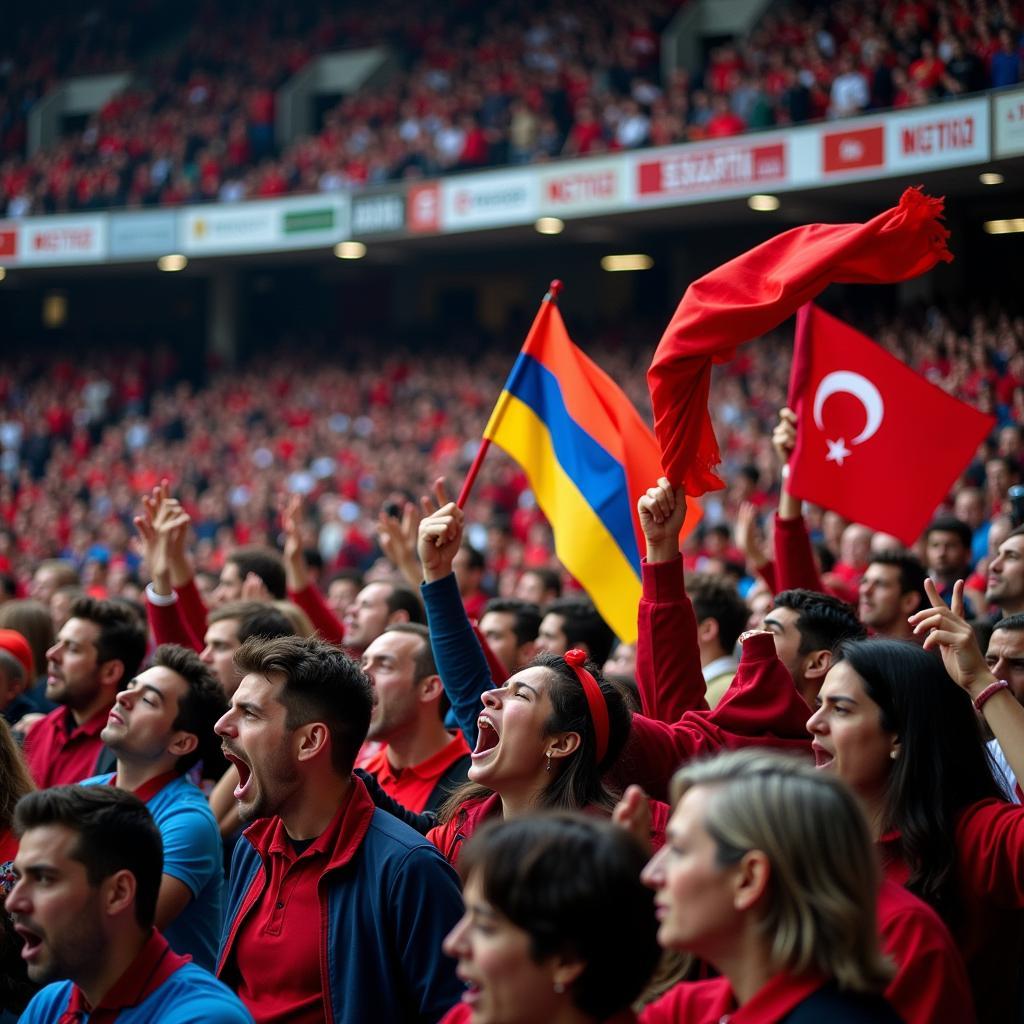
x,y
761,708
990,875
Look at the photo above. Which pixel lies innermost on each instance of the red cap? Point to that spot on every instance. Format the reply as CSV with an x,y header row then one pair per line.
x,y
14,643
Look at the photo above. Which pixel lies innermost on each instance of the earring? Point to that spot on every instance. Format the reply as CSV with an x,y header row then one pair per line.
x,y
547,767
559,988
893,755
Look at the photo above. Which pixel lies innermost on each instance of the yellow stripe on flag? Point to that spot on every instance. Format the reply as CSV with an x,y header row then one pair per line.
x,y
582,541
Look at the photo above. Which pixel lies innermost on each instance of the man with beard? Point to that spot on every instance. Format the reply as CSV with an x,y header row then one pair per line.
x,y
88,876
331,901
1005,584
97,651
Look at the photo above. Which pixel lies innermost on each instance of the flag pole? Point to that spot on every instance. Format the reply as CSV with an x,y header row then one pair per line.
x,y
554,289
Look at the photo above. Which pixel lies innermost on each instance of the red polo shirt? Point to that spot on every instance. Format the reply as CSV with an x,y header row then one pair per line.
x,y
155,963
413,786
279,940
60,753
712,1002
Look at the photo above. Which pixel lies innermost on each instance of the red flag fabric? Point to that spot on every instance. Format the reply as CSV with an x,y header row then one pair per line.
x,y
875,441
754,293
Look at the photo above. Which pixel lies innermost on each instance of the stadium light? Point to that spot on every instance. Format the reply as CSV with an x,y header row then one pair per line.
x,y
1004,227
627,261
763,203
350,250
549,226
991,178
172,262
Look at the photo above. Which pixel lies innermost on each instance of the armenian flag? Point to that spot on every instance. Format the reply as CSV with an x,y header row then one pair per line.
x,y
588,456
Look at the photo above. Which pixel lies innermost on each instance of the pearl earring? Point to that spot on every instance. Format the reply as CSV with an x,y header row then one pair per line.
x,y
559,988
892,755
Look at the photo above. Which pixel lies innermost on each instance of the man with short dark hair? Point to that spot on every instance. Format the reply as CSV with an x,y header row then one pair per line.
x,y
891,590
330,900
574,622
1005,657
84,901
262,562
721,616
378,605
510,627
539,586
807,627
1005,584
97,651
159,727
420,762
228,626
947,544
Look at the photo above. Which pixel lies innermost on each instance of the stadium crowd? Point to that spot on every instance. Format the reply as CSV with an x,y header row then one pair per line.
x,y
510,84
224,607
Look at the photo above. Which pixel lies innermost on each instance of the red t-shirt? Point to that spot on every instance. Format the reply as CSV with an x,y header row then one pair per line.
x,y
413,786
59,753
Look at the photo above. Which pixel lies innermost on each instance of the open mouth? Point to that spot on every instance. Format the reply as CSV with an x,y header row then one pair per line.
x,y
487,738
822,758
33,942
244,773
472,993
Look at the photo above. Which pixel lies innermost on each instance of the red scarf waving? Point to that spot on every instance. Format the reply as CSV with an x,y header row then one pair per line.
x,y
754,293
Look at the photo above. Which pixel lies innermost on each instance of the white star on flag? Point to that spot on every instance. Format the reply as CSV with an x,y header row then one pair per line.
x,y
837,451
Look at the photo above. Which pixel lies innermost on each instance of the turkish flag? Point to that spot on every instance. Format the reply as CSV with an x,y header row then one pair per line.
x,y
875,442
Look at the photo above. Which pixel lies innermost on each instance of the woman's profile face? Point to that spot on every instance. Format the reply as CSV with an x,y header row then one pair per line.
x,y
512,742
848,735
695,895
504,984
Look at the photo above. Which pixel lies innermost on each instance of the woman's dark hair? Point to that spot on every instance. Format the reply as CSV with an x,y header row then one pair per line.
x,y
572,883
578,783
942,766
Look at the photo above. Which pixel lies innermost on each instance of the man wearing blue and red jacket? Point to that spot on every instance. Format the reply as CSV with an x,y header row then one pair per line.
x,y
336,911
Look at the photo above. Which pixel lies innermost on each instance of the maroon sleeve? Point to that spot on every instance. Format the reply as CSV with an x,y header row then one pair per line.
x,y
760,708
930,985
794,557
168,627
193,610
668,671
326,623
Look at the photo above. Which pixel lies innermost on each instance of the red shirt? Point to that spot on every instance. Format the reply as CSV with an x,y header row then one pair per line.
x,y
277,948
59,753
712,1001
412,787
155,963
990,876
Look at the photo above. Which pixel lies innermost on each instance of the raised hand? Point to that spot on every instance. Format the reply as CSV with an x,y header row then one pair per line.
x,y
397,539
440,534
784,435
747,539
662,510
947,629
295,568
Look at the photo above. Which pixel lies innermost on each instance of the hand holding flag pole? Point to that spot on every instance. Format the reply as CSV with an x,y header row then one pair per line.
x,y
551,295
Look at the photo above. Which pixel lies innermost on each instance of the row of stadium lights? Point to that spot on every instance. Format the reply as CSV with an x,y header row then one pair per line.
x,y
761,203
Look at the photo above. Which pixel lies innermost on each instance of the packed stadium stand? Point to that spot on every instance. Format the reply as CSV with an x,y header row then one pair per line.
x,y
474,86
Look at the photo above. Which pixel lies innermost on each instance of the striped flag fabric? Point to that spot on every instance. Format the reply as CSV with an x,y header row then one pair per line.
x,y
588,456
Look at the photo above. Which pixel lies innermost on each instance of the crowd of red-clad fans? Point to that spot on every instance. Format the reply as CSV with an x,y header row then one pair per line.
x,y
509,83
80,440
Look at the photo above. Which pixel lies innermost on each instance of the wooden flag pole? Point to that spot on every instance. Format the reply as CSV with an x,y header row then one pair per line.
x,y
554,289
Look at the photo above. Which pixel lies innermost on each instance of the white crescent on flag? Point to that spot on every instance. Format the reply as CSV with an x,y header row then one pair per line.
x,y
865,392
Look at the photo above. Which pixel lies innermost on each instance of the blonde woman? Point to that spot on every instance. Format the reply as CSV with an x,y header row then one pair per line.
x,y
769,875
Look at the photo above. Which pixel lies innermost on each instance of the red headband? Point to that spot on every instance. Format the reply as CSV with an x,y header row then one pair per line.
x,y
595,700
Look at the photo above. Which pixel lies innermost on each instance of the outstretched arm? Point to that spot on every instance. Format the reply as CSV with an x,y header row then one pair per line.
x,y
668,671
794,557
457,653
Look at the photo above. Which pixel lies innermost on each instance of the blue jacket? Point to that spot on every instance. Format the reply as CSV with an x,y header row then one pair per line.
x,y
387,900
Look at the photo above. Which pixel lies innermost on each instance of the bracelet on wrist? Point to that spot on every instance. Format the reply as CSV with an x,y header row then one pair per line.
x,y
990,691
